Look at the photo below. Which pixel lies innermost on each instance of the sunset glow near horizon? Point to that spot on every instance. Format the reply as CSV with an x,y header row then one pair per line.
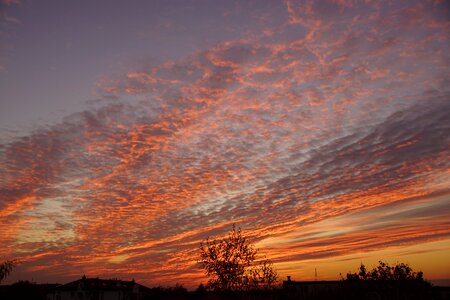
x,y
132,130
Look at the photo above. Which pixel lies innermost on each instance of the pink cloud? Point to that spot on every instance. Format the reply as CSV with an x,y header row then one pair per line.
x,y
319,125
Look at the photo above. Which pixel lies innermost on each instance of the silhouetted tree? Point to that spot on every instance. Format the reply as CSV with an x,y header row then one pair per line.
x,y
387,282
383,271
263,275
230,263
6,268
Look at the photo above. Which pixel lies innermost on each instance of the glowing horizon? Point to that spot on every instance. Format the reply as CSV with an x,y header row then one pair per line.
x,y
321,129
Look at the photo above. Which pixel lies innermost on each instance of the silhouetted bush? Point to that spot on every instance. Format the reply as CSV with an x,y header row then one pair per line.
x,y
387,282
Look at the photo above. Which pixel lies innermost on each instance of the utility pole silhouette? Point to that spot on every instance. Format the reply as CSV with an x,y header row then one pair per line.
x,y
315,270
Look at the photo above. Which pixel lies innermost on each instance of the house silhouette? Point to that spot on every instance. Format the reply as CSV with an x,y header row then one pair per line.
x,y
99,289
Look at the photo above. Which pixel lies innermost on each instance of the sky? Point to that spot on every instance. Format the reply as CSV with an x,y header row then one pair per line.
x,y
130,131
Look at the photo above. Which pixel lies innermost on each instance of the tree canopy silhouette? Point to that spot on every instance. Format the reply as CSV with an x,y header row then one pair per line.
x,y
230,263
383,271
6,268
387,282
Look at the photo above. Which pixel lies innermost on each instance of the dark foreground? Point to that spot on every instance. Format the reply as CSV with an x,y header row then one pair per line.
x,y
385,291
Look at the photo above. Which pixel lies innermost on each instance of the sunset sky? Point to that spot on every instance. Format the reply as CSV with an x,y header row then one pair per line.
x,y
132,130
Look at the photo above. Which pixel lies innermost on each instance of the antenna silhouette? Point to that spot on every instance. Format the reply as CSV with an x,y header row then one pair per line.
x,y
315,270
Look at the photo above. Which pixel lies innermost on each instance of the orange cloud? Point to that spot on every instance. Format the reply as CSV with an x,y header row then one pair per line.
x,y
313,138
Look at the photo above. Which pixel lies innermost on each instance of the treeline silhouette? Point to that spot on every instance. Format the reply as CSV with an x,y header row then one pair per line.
x,y
234,273
348,291
397,282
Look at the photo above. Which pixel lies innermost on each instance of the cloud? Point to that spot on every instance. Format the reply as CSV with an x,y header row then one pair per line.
x,y
286,137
